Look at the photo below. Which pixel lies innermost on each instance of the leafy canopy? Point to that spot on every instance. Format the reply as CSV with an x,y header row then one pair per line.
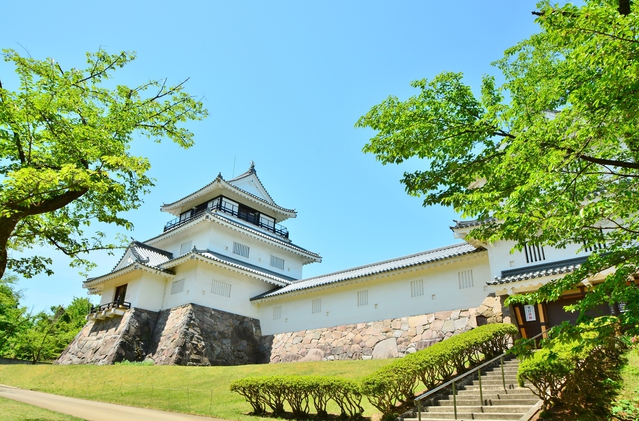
x,y
549,156
65,161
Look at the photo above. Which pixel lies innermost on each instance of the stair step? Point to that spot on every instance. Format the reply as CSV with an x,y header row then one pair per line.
x,y
470,416
498,404
501,409
530,401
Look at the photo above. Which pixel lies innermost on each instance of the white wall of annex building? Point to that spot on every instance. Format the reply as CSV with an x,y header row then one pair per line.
x,y
501,258
388,296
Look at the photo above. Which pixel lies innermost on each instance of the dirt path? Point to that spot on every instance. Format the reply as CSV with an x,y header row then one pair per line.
x,y
91,410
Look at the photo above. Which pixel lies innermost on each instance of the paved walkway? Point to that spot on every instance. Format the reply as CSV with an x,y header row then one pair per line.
x,y
91,410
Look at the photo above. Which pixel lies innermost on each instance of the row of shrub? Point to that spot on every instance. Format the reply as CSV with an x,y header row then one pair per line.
x,y
299,391
577,370
393,386
389,388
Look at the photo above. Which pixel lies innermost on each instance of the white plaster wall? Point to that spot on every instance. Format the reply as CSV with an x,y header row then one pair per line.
x,y
218,238
389,296
199,277
501,258
107,294
147,292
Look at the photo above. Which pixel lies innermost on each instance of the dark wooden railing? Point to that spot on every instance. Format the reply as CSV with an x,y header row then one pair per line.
x,y
276,228
114,304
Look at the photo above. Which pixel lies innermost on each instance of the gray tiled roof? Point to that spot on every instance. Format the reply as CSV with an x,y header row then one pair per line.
x,y
538,271
265,273
145,254
375,268
220,179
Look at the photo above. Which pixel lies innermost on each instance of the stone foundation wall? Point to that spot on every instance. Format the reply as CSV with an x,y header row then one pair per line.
x,y
184,335
196,335
112,340
380,339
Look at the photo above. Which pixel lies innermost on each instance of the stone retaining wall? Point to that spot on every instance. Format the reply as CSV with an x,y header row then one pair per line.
x,y
381,339
112,340
184,335
196,335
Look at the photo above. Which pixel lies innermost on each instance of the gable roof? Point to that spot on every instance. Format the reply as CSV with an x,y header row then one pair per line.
x,y
259,198
425,257
138,252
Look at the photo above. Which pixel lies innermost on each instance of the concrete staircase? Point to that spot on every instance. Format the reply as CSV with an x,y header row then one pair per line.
x,y
513,403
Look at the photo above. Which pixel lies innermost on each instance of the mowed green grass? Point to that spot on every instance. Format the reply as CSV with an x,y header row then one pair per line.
x,y
196,390
17,411
630,376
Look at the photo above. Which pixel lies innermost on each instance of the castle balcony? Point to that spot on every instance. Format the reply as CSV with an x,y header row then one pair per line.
x,y
235,211
108,310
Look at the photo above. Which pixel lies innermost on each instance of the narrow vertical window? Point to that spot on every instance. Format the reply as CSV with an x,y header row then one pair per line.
x,y
277,313
221,288
177,286
534,253
316,306
241,249
276,262
417,288
465,279
362,298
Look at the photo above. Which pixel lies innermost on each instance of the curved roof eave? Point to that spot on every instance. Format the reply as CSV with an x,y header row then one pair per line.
x,y
168,207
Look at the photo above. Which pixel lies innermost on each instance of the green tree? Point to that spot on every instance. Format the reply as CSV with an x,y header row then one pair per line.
x,y
65,161
550,156
12,316
45,335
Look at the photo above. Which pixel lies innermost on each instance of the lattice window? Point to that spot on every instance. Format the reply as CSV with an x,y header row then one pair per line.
x,y
534,253
417,288
465,278
177,286
241,249
594,247
277,313
316,306
221,288
362,298
276,262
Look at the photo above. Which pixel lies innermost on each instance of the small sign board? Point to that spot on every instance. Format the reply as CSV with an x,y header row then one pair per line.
x,y
529,310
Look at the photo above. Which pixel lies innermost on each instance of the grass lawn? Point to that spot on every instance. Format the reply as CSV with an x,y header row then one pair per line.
x,y
18,411
197,390
628,399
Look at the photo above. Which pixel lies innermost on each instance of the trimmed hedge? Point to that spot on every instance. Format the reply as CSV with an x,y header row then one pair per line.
x,y
388,388
394,385
299,392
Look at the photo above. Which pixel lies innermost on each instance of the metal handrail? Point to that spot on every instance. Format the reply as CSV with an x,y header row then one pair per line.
x,y
276,228
453,381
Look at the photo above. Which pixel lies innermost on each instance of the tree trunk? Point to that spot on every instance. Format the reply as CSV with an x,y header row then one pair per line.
x,y
624,7
7,225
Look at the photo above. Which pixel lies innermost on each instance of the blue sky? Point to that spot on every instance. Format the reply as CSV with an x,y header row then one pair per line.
x,y
284,83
